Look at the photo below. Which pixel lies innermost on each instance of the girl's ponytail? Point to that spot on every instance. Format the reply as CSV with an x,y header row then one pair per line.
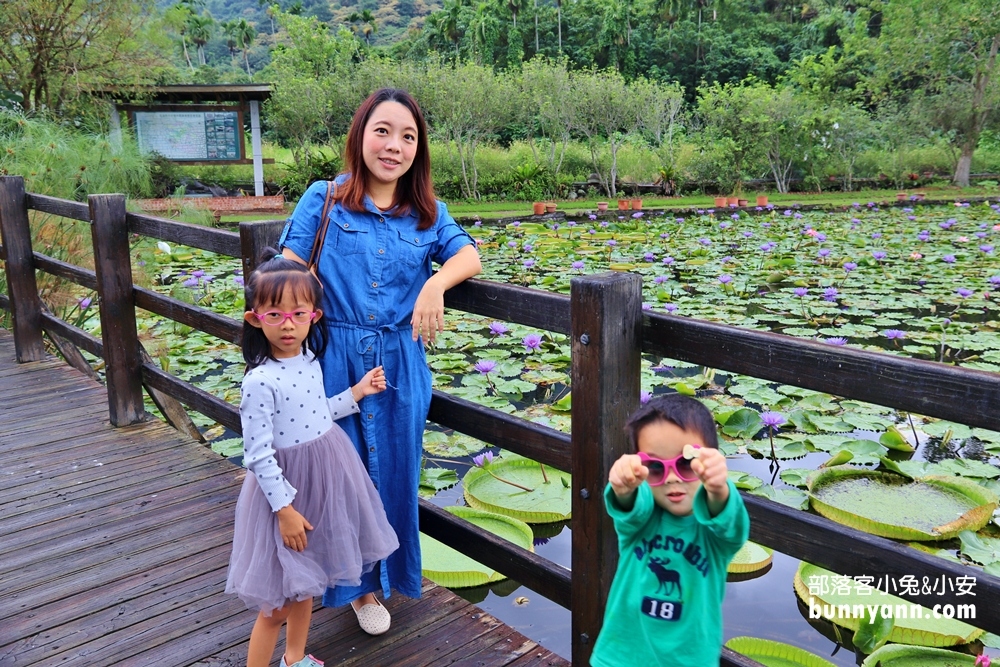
x,y
266,285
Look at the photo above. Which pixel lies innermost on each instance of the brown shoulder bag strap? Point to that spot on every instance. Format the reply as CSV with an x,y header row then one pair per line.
x,y
331,199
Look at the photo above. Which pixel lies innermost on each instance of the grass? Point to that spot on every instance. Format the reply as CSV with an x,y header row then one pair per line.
x,y
487,210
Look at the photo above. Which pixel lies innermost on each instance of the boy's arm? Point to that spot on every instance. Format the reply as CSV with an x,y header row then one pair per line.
x,y
731,526
629,502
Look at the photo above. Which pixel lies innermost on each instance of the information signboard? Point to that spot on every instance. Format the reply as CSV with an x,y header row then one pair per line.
x,y
189,135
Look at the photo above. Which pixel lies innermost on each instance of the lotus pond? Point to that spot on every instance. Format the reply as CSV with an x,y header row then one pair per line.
x,y
918,281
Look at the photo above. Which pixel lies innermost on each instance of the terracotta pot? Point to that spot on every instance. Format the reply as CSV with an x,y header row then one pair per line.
x,y
550,207
622,204
901,196
743,202
720,202
733,201
602,206
538,207
761,200
636,204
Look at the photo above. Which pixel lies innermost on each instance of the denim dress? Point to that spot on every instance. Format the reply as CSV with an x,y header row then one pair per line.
x,y
372,266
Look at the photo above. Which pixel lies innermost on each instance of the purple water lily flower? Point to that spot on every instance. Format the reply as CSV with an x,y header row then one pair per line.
x,y
190,282
647,306
477,223
849,266
516,223
986,248
725,279
948,259
645,397
705,241
483,460
512,244
963,292
528,248
788,213
485,366
84,303
532,342
238,280
681,220
592,216
769,246
836,340
668,260
894,334
877,235
649,257
995,281
669,307
800,291
612,243
528,263
772,419
660,279
747,234
879,255
498,329
830,294
578,264
637,215
197,273
571,223
604,224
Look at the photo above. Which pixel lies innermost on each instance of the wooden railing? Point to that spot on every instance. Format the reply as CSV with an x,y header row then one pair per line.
x,y
608,331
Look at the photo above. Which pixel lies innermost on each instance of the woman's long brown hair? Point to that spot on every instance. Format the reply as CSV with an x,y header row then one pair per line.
x,y
414,190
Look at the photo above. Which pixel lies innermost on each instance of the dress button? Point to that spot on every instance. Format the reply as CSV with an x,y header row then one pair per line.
x,y
381,251
371,449
371,317
370,415
374,284
416,240
346,225
381,219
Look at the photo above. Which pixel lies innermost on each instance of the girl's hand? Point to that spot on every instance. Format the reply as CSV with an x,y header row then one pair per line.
x,y
710,466
627,474
293,527
428,311
372,383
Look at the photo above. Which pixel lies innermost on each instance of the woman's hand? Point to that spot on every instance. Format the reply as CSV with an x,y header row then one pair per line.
x,y
372,383
428,312
293,527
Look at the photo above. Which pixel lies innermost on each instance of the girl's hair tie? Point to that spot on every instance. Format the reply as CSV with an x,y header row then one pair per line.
x,y
279,256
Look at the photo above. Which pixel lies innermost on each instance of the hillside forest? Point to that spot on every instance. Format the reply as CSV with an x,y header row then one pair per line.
x,y
525,97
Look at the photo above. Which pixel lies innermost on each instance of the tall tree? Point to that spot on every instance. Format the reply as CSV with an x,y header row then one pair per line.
x,y
229,31
176,18
200,30
245,34
948,51
53,50
368,25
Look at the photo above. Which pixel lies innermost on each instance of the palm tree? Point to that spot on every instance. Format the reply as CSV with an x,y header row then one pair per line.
x,y
450,25
245,33
536,26
485,28
559,22
515,7
368,24
229,30
200,29
177,18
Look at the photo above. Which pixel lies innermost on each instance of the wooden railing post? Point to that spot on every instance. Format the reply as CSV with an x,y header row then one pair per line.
x,y
113,266
606,320
25,304
254,237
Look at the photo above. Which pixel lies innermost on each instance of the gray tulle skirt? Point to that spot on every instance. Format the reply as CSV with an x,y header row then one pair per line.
x,y
350,530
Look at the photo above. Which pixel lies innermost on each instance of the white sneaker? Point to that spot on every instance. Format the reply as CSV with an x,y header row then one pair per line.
x,y
373,617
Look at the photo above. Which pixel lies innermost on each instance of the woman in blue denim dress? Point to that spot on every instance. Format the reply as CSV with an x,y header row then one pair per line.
x,y
382,301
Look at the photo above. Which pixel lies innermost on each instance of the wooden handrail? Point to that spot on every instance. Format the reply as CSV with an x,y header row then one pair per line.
x,y
965,395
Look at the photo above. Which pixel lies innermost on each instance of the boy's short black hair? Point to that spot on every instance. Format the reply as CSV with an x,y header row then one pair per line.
x,y
683,411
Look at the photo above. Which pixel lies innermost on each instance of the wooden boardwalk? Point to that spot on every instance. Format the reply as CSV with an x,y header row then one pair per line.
x,y
114,545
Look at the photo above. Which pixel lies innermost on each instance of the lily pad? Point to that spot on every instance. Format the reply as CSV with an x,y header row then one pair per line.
x,y
902,655
775,654
452,569
544,503
893,439
744,480
750,558
434,479
980,548
849,603
928,508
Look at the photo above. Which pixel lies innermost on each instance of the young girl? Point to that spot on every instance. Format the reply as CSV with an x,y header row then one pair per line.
x,y
308,516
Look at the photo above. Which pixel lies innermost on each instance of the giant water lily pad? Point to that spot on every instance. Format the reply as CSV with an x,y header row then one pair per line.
x,y
901,655
546,502
750,558
889,505
775,654
452,569
847,603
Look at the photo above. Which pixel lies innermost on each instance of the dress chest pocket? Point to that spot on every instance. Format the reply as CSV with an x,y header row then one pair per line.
x,y
350,237
415,246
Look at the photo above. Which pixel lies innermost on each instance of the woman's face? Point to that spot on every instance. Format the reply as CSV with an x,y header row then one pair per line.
x,y
390,142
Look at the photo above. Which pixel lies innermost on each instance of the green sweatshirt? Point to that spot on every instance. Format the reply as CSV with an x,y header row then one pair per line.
x,y
665,605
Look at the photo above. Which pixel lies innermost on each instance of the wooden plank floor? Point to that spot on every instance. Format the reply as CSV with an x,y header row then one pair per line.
x,y
114,545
